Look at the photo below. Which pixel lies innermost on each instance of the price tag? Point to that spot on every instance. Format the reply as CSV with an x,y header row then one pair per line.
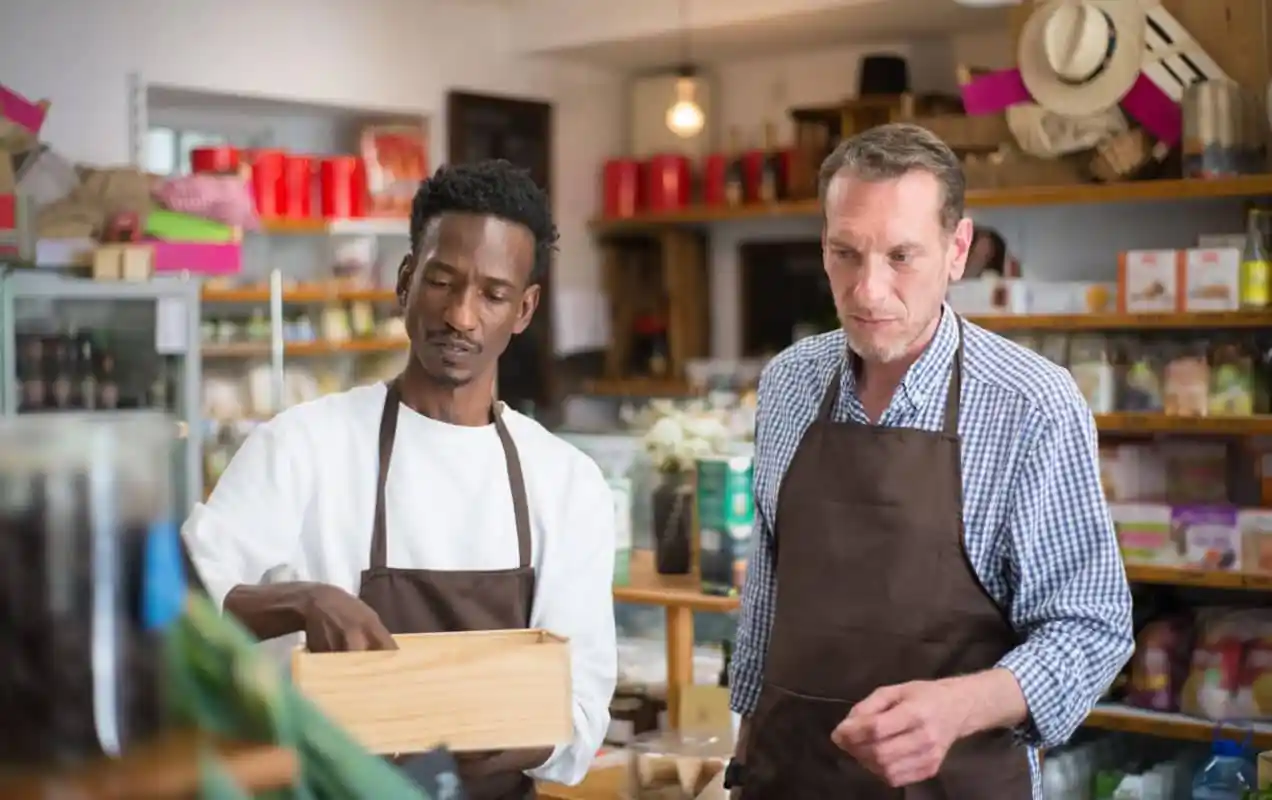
x,y
172,326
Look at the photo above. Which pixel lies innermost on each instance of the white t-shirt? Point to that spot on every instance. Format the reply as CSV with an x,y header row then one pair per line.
x,y
298,499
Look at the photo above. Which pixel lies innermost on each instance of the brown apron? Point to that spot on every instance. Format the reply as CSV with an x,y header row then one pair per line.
x,y
874,589
437,601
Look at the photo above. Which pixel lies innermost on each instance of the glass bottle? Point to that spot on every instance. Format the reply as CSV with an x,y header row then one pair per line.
x,y
735,171
1256,273
773,170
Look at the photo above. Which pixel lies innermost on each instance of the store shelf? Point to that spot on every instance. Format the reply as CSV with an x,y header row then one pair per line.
x,y
260,349
1179,576
366,226
1066,323
1113,717
1153,424
300,296
1084,194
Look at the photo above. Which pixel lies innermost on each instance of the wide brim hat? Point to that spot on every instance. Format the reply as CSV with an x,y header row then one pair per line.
x,y
1128,22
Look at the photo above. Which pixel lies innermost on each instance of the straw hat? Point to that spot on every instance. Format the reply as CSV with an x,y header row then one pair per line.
x,y
1080,57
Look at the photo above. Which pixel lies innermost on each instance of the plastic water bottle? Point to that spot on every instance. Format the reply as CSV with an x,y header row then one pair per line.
x,y
1228,775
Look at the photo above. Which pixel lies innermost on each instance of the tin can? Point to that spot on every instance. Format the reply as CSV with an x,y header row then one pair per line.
x,y
726,514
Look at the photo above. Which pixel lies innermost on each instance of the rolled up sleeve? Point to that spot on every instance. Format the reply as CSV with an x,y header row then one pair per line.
x,y
1071,601
575,599
250,525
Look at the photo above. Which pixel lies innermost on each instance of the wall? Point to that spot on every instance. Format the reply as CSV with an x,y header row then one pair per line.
x,y
1056,243
398,56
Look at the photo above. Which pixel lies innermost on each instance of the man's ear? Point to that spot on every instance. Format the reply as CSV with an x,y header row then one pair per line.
x,y
405,270
525,313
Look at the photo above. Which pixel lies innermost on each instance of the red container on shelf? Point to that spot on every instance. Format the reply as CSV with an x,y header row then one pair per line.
x,y
622,185
219,160
668,183
267,182
713,170
342,187
297,190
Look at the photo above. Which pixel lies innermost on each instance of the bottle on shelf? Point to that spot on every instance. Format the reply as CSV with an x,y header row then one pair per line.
x,y
1256,272
773,168
735,171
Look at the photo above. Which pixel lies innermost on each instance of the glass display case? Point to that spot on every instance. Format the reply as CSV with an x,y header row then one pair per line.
x,y
71,344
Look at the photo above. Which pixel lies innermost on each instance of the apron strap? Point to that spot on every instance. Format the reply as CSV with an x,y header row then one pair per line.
x,y
953,395
830,397
388,431
516,479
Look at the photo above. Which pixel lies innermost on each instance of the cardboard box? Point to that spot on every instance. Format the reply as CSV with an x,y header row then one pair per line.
x,y
1265,769
1212,279
1149,281
481,690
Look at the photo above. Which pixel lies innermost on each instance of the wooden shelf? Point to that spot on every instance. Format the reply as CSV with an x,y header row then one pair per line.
x,y
1113,717
604,783
1154,424
311,294
261,349
1084,194
1065,323
365,226
1180,576
166,769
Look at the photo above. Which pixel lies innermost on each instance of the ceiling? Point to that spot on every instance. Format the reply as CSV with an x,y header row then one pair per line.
x,y
857,23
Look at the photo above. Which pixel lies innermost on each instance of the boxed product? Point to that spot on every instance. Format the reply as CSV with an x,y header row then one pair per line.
x,y
1210,536
1256,539
1149,281
475,690
1144,533
1211,279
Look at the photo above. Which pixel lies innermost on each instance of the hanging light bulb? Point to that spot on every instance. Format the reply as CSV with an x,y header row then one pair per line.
x,y
685,117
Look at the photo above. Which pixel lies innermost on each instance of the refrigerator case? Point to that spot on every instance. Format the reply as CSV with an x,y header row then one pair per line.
x,y
77,344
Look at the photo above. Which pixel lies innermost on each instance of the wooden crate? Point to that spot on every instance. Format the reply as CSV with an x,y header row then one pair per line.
x,y
481,690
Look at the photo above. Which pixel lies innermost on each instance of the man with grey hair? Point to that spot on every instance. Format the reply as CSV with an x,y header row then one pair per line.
x,y
935,589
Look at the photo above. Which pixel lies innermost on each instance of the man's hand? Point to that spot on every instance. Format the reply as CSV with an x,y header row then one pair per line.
x,y
902,733
336,621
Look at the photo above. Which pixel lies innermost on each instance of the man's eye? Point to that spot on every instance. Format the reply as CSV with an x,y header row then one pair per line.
x,y
436,281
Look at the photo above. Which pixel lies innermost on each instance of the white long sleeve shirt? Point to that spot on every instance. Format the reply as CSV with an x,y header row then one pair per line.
x,y
299,499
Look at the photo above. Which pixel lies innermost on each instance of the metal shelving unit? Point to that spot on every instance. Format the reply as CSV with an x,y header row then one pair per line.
x,y
157,320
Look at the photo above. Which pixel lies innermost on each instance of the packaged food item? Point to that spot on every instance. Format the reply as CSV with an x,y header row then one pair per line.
x,y
674,766
1140,376
1212,279
1214,675
1254,686
1149,281
1187,381
1092,369
1210,535
1256,539
1144,533
1231,381
1160,664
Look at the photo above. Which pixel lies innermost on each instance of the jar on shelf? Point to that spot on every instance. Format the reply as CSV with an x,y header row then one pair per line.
x,y
93,573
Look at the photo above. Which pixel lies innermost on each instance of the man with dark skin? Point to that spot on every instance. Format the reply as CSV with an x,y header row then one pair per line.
x,y
424,505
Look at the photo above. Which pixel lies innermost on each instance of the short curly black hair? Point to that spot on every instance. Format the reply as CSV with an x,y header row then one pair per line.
x,y
495,187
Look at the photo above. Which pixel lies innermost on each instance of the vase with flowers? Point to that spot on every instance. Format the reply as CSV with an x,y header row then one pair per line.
x,y
677,438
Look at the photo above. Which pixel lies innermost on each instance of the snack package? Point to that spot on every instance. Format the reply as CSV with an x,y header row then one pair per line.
x,y
1215,674
1160,664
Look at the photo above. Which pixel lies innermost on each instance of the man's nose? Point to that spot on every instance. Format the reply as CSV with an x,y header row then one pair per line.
x,y
874,283
461,311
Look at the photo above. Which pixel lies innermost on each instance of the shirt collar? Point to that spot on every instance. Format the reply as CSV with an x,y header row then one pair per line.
x,y
926,376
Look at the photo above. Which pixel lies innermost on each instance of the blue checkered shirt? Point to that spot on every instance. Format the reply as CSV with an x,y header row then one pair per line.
x,y
1037,526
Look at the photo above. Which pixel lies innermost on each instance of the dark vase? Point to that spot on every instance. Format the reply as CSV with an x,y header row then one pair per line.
x,y
673,523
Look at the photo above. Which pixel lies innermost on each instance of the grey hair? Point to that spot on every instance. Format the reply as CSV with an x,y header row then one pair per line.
x,y
887,152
